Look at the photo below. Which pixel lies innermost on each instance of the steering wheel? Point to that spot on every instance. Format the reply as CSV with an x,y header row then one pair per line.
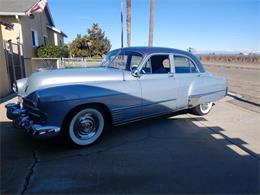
x,y
133,67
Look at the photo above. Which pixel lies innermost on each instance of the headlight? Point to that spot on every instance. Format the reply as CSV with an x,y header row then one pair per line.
x,y
14,87
35,103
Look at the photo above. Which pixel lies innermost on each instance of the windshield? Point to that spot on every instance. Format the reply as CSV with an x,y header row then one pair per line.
x,y
122,59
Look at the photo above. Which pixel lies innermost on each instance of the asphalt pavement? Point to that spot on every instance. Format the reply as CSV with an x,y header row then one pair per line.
x,y
215,154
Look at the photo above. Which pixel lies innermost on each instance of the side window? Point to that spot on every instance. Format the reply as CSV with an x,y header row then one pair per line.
x,y
184,65
157,64
119,61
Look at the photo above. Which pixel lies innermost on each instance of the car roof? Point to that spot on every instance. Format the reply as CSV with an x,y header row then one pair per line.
x,y
151,50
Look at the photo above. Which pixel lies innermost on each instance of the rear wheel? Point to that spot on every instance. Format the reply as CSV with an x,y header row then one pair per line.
x,y
85,126
202,109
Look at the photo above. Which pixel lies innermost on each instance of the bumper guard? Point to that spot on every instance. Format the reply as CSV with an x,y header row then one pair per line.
x,y
21,119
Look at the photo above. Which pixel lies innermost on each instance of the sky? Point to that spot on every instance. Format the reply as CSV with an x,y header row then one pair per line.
x,y
205,25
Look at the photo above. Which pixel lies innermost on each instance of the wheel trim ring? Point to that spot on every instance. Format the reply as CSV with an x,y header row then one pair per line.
x,y
78,141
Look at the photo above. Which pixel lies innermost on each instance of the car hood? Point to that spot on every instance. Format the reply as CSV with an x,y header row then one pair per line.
x,y
51,78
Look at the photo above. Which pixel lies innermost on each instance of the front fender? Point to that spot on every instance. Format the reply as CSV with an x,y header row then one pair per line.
x,y
56,102
73,92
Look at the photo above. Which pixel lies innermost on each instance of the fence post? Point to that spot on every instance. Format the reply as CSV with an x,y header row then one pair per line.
x,y
12,58
59,63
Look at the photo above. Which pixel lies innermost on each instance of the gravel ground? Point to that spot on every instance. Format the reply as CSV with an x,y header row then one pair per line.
x,y
245,82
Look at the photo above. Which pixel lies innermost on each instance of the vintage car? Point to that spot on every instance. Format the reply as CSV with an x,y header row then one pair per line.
x,y
131,84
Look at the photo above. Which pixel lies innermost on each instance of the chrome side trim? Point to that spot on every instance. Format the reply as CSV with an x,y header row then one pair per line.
x,y
205,94
150,116
142,105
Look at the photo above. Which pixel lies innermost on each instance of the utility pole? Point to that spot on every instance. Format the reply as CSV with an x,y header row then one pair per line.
x,y
151,24
128,22
122,30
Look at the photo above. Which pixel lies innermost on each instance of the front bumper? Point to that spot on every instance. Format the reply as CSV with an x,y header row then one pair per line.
x,y
22,119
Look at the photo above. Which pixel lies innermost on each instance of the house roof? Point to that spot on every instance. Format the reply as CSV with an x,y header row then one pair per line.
x,y
20,7
56,30
13,6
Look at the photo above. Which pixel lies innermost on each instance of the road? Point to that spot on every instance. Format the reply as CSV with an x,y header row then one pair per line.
x,y
218,153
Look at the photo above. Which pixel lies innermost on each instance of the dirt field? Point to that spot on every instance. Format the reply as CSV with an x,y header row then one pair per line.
x,y
233,61
242,81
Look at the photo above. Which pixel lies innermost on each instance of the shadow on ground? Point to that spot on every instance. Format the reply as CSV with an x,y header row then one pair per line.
x,y
160,155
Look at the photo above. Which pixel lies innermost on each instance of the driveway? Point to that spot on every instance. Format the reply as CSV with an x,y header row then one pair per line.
x,y
218,153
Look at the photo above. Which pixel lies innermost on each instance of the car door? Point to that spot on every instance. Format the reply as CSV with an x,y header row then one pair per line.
x,y
186,73
126,105
158,84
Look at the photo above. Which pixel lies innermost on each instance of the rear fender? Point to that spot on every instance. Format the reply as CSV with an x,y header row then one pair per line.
x,y
206,89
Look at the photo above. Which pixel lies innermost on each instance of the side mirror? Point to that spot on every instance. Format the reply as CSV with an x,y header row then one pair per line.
x,y
134,71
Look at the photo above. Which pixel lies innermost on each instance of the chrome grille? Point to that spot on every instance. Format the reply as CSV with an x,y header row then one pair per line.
x,y
31,110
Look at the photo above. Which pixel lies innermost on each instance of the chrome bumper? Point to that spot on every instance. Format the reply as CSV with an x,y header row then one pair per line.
x,y
22,119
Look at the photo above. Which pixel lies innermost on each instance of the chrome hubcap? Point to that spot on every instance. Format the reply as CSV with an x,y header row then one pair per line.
x,y
86,126
206,107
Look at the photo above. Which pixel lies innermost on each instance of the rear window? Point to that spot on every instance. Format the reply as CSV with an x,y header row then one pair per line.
x,y
184,65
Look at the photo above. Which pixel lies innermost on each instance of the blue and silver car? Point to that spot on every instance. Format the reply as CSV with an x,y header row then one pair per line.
x,y
131,84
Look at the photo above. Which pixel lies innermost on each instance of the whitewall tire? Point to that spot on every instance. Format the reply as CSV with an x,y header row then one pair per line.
x,y
86,126
203,109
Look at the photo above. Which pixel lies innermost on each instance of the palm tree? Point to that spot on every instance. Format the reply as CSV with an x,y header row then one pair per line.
x,y
128,22
121,17
151,24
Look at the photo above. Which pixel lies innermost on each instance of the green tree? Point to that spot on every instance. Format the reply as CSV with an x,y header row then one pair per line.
x,y
52,51
79,48
95,43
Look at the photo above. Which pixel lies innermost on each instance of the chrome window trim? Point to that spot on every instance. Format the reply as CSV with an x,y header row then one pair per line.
x,y
147,57
183,55
121,50
172,64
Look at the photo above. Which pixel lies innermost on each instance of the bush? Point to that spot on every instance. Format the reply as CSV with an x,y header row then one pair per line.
x,y
52,51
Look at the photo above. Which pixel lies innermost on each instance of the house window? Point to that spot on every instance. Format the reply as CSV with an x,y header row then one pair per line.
x,y
60,42
45,40
35,42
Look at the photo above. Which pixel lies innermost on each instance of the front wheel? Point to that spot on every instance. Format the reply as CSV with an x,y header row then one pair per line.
x,y
202,109
85,126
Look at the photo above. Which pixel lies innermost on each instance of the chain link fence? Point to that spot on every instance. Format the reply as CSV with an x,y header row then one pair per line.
x,y
39,64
